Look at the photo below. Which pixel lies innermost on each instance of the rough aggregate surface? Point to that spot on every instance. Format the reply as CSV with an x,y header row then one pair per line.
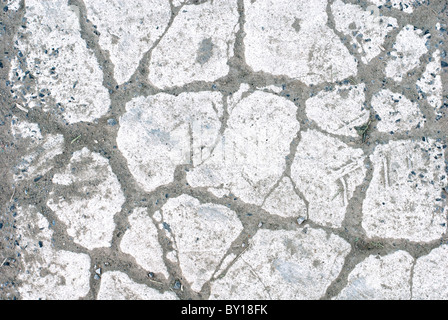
x,y
240,149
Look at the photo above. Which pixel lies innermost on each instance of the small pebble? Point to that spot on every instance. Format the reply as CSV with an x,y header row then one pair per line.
x,y
300,220
177,285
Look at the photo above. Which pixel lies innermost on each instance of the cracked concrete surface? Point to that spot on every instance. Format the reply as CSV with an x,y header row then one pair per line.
x,y
241,149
